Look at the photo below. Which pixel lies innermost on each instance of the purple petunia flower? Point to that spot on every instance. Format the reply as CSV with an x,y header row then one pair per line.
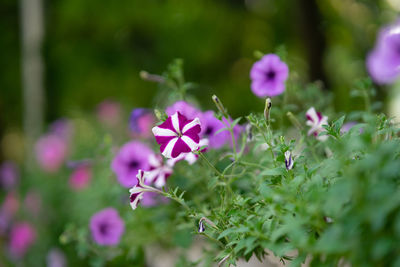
x,y
177,135
316,121
268,76
141,122
51,151
383,62
107,227
21,238
185,109
9,175
130,158
211,126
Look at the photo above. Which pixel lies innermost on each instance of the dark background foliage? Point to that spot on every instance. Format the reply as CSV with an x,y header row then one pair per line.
x,y
94,49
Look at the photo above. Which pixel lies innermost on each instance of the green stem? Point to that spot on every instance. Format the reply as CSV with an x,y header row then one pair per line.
x,y
209,163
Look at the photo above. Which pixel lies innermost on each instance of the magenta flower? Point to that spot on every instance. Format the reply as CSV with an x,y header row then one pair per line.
x,y
130,158
80,177
141,122
177,135
268,76
158,172
51,151
107,227
316,121
9,175
21,238
383,62
109,113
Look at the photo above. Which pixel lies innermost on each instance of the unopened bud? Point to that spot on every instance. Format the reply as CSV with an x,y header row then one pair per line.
x,y
202,228
220,107
268,105
249,132
144,74
151,77
288,160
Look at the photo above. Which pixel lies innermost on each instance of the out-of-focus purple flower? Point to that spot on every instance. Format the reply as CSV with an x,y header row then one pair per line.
x,y
107,227
212,125
383,62
9,175
268,76
130,158
151,199
33,203
109,113
56,258
177,135
51,151
316,121
184,108
10,205
63,128
8,209
80,177
347,126
21,238
141,121
4,222
158,172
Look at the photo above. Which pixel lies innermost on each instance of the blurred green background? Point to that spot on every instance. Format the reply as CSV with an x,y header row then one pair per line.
x,y
94,49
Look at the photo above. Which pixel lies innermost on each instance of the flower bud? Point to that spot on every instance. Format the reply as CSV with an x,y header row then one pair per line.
x,y
249,132
202,228
151,77
288,160
267,108
220,107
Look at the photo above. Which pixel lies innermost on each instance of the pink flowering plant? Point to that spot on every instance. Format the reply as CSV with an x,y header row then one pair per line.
x,y
292,180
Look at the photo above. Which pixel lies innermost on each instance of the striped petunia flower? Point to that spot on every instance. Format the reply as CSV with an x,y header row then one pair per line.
x,y
137,192
159,172
316,121
177,135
